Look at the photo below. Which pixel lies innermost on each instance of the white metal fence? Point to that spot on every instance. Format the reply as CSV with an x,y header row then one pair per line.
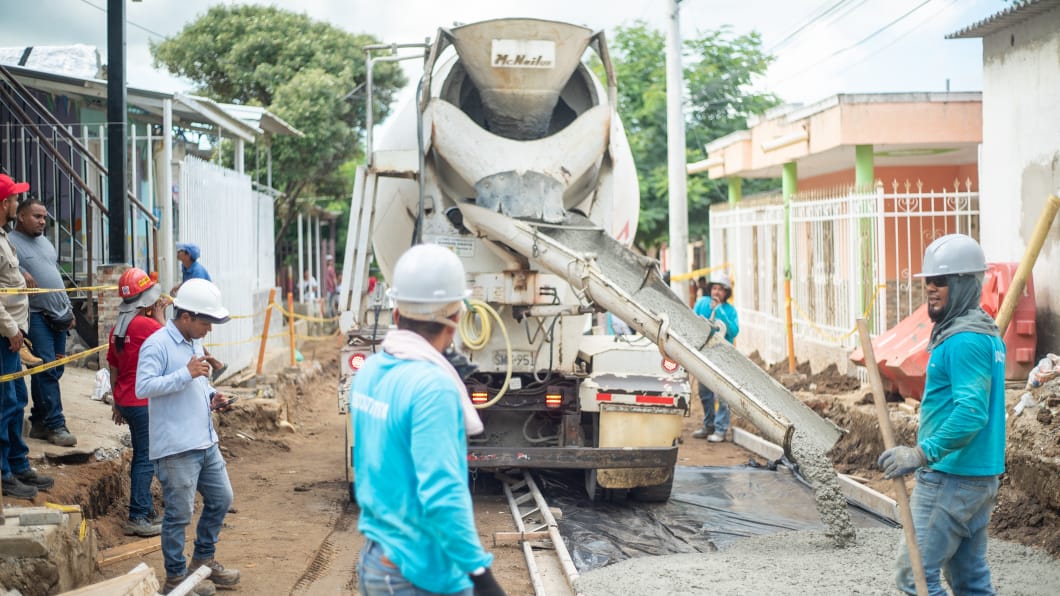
x,y
852,254
218,210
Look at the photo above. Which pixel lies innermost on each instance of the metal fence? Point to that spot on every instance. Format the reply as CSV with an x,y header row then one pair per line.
x,y
218,209
853,253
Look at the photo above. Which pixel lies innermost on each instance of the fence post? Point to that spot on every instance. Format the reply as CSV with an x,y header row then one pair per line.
x,y
265,330
290,322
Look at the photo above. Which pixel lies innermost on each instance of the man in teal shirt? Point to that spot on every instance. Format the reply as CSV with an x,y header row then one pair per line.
x,y
411,415
714,305
960,450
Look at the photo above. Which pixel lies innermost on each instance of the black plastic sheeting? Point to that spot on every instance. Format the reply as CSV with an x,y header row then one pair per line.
x,y
709,508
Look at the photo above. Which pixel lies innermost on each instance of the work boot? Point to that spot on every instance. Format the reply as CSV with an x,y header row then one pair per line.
x,y
28,358
716,437
30,477
61,436
38,431
204,588
142,527
703,433
14,489
221,577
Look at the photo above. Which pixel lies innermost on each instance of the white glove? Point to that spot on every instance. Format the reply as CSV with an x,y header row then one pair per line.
x,y
899,461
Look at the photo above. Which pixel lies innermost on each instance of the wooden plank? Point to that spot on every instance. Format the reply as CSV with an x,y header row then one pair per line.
x,y
138,582
870,499
128,551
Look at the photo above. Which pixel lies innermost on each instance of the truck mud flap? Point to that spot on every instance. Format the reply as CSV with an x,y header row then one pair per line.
x,y
572,458
630,287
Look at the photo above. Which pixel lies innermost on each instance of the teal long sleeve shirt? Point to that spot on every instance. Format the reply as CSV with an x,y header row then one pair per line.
x,y
410,472
962,413
726,313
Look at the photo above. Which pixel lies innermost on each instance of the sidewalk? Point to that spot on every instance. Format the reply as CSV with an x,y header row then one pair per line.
x,y
88,420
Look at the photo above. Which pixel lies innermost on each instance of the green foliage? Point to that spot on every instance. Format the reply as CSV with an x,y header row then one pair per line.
x,y
719,69
302,70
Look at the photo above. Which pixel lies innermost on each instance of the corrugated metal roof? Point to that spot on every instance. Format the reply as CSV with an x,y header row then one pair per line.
x,y
1013,15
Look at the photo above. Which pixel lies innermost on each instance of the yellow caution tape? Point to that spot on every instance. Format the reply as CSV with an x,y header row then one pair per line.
x,y
287,313
831,336
63,508
52,290
52,364
698,272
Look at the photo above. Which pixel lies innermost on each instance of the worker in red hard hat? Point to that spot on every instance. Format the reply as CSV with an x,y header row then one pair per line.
x,y
141,313
960,446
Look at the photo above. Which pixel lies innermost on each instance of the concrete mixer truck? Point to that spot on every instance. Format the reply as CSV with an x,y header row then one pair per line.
x,y
514,156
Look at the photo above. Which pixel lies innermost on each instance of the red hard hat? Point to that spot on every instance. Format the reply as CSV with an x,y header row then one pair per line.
x,y
134,282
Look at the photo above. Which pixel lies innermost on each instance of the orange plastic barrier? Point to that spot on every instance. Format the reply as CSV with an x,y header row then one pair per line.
x,y
901,351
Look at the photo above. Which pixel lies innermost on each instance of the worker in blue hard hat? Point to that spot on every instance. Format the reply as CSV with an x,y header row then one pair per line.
x,y
190,268
960,447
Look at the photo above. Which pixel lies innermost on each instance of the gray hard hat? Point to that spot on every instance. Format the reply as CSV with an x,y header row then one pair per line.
x,y
953,254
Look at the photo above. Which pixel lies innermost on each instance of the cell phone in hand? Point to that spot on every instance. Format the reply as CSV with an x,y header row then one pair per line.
x,y
225,404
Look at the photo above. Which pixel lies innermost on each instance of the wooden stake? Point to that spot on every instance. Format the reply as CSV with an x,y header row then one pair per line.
x,y
265,330
888,441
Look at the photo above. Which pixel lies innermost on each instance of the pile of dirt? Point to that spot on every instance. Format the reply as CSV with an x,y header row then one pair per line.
x,y
824,382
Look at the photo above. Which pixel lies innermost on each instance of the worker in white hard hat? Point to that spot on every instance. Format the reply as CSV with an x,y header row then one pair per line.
x,y
173,375
960,448
715,306
411,416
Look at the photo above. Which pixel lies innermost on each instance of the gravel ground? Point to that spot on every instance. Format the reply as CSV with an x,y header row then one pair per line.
x,y
806,562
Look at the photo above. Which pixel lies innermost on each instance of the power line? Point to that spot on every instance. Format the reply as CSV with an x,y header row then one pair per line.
x,y
923,22
857,43
815,16
141,27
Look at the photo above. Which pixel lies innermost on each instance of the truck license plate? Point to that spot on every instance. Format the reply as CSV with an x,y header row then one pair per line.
x,y
521,359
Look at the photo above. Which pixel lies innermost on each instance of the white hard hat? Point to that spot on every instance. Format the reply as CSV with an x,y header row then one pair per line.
x,y
429,280
722,280
953,254
202,299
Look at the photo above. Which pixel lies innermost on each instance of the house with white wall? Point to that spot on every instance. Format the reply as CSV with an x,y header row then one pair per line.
x,y
1020,165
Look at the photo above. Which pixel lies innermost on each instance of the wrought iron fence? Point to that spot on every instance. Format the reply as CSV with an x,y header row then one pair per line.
x,y
853,253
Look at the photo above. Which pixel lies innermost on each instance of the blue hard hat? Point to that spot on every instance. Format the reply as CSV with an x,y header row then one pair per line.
x,y
191,249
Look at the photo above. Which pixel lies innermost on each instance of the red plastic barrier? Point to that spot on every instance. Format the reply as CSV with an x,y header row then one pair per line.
x,y
901,352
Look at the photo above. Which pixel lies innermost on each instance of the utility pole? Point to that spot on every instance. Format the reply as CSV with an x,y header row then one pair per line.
x,y
675,137
117,113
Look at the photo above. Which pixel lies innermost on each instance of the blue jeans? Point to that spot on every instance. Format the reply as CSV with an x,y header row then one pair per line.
x,y
47,408
141,471
376,578
950,514
13,398
181,475
720,419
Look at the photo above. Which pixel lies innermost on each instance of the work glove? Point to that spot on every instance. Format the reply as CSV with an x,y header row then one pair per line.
x,y
486,584
899,461
464,367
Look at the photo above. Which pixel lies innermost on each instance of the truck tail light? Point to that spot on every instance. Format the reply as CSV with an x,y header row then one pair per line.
x,y
553,400
479,397
357,361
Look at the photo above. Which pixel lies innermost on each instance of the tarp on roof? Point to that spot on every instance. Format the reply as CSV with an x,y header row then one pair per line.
x,y
77,60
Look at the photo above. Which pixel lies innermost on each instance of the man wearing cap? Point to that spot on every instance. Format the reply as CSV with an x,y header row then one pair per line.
x,y
959,452
51,316
411,416
172,374
190,267
19,479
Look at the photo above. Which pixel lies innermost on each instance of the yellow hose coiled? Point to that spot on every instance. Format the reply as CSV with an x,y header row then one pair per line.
x,y
477,338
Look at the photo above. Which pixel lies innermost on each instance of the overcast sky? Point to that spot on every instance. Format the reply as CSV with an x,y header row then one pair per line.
x,y
861,46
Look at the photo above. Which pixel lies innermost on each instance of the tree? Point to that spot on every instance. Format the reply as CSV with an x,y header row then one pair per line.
x,y
302,70
719,69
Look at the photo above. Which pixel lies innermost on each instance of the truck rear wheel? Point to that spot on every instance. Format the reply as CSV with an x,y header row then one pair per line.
x,y
600,494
